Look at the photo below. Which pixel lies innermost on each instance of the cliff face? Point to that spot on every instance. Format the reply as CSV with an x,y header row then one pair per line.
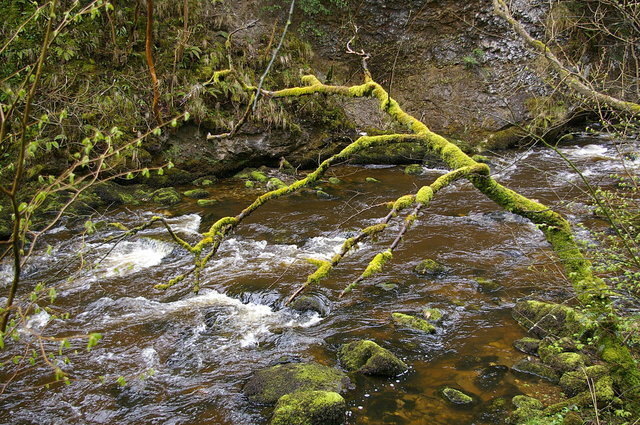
x,y
453,64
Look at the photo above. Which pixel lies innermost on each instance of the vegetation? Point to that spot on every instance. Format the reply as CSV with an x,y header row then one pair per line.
x,y
54,150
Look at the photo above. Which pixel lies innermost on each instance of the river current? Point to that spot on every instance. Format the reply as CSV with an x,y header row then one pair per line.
x,y
185,357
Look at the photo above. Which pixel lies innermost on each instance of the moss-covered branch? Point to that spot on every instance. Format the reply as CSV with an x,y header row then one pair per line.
x,y
571,79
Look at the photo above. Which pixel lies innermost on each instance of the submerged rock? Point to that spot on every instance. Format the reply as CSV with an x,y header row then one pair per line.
x,y
456,396
268,385
334,180
488,285
491,376
412,322
310,408
432,314
542,319
532,367
309,303
369,358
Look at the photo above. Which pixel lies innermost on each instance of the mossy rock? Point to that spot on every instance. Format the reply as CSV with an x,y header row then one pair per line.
x,y
413,322
171,177
258,176
488,285
551,346
456,396
205,181
369,358
413,169
542,319
481,158
387,286
275,183
527,345
527,409
268,385
334,180
249,184
565,362
196,193
166,196
433,315
207,202
505,138
604,394
371,180
532,367
431,268
494,411
310,408
575,382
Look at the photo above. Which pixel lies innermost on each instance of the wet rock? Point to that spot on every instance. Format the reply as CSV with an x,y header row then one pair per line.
x,y
369,358
310,303
533,367
205,181
432,314
268,385
490,377
207,202
488,285
575,382
413,322
456,396
334,180
387,286
310,408
413,169
542,319
275,183
196,193
321,194
166,196
494,411
527,345
430,268
527,409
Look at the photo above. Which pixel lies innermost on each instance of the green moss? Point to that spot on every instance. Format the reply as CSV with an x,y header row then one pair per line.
x,y
334,180
527,345
424,195
575,382
432,314
542,318
413,322
275,183
249,184
413,169
367,357
207,202
376,265
429,267
268,385
371,180
403,202
321,194
456,396
528,402
488,285
196,193
166,196
310,408
531,367
258,176
480,158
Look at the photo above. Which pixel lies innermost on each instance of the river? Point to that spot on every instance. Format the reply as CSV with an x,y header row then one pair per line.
x,y
185,357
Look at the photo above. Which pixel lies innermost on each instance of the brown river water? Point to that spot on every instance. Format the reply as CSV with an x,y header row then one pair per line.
x,y
203,348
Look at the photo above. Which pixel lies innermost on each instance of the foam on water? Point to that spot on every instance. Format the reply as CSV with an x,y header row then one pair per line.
x,y
132,256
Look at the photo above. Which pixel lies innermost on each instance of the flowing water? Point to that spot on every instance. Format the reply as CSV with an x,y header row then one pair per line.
x,y
185,357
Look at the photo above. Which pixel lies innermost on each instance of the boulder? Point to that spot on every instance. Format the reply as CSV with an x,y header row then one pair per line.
x,y
532,367
310,408
542,319
412,322
527,345
430,268
369,358
268,385
456,396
